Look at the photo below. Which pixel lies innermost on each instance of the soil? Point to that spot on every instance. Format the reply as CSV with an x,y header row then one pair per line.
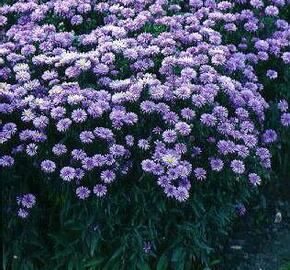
x,y
269,250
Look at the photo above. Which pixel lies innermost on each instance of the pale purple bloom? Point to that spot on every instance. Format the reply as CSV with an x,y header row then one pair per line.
x,y
200,173
79,115
48,166
238,166
6,161
285,119
283,105
147,247
254,179
28,200
100,190
87,137
22,213
269,136
181,194
272,74
83,192
31,149
143,144
216,164
63,124
108,176
271,11
59,149
67,173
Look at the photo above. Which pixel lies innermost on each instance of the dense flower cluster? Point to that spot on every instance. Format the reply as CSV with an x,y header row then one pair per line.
x,y
89,85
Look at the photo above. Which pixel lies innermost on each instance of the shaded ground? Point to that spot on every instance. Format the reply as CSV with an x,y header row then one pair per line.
x,y
268,251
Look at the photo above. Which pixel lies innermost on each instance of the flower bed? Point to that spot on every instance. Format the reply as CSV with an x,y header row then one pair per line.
x,y
137,129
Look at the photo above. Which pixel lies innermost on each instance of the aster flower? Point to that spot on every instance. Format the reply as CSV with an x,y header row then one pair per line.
x,y
6,161
169,136
238,166
216,164
22,213
83,192
108,176
48,166
59,149
181,194
272,74
240,209
63,124
147,247
285,119
143,144
269,136
28,200
67,173
31,149
283,105
254,179
100,190
87,137
79,115
146,84
200,173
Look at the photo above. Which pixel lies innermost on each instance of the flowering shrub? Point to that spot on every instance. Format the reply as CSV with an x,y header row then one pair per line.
x,y
171,92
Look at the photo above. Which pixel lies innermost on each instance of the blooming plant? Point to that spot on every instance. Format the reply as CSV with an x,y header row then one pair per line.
x,y
172,94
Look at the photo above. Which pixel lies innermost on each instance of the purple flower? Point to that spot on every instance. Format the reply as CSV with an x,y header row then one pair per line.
x,y
254,179
240,209
31,149
63,124
78,154
216,164
6,161
272,74
108,176
143,144
87,137
100,190
28,200
271,11
269,136
286,57
148,165
183,128
79,115
147,247
59,149
285,119
187,113
238,166
48,166
181,194
169,136
283,105
169,191
83,192
200,173
22,213
208,119
67,173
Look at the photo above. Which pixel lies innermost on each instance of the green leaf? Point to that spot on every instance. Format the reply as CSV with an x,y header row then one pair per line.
x,y
94,262
143,266
162,262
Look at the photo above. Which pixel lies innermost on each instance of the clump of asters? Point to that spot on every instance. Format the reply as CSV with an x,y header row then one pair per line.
x,y
93,99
